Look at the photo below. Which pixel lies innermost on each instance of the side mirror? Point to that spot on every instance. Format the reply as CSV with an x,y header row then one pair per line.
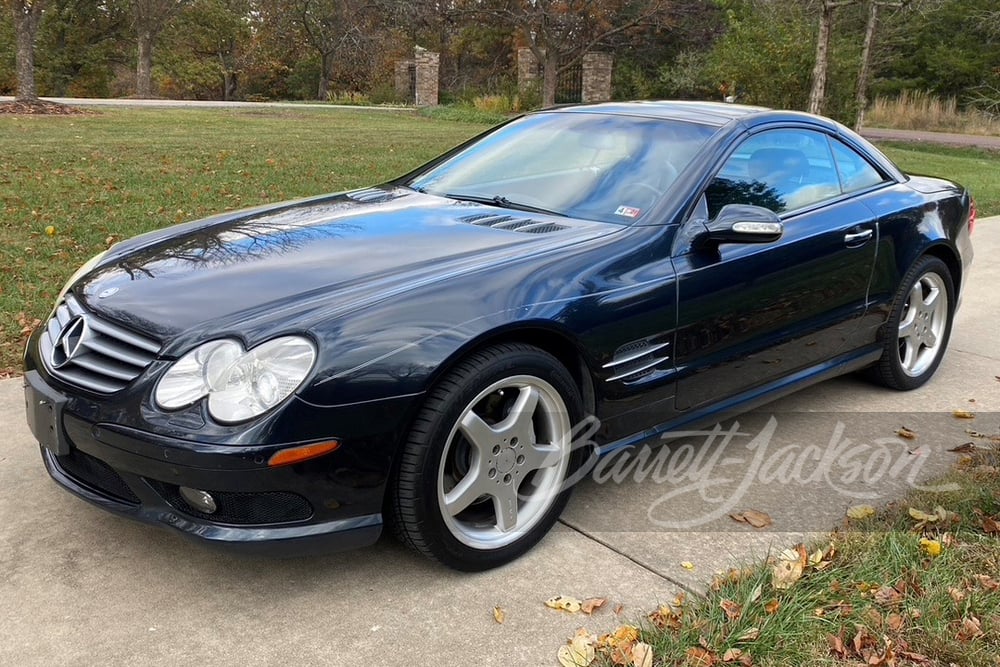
x,y
742,223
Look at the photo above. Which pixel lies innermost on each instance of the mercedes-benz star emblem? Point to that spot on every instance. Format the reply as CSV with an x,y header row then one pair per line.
x,y
70,341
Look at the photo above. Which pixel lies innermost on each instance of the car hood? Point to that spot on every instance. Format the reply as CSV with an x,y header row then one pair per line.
x,y
225,274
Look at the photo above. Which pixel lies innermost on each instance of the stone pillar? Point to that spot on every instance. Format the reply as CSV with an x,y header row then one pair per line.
x,y
428,65
402,80
597,77
527,69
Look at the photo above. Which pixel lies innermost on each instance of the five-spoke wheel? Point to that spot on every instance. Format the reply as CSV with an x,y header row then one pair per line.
x,y
919,325
483,475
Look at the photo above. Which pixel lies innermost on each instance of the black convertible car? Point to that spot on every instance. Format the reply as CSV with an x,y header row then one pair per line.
x,y
293,377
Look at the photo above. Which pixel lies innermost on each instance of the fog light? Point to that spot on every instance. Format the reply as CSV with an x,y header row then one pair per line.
x,y
199,500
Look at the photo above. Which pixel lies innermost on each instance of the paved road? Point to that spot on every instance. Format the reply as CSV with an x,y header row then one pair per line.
x,y
82,587
942,138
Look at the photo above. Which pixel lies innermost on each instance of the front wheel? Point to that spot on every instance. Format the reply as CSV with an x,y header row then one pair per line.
x,y
482,476
919,326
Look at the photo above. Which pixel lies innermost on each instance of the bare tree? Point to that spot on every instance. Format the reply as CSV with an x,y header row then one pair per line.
x,y
151,16
27,14
560,32
817,93
334,29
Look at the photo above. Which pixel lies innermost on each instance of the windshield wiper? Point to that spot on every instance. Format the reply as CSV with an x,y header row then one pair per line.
x,y
503,202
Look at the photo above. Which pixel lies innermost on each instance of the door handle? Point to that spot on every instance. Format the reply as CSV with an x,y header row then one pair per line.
x,y
858,238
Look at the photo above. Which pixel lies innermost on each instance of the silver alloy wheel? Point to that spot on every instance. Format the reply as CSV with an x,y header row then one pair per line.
x,y
922,324
504,462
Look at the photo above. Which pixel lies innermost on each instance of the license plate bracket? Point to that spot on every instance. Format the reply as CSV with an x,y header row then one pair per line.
x,y
44,408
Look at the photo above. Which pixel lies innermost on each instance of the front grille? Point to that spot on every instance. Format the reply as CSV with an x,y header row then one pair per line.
x,y
240,507
96,474
94,354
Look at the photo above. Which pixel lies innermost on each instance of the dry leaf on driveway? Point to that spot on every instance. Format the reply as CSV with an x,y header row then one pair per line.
x,y
963,414
860,512
755,518
564,603
579,652
687,565
498,615
590,605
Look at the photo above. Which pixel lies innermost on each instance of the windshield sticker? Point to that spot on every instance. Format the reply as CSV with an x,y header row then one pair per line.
x,y
628,211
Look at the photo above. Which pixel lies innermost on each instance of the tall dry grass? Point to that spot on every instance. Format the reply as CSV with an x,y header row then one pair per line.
x,y
919,110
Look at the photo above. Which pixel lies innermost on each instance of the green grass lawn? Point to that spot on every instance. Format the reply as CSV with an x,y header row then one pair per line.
x,y
974,168
102,177
94,179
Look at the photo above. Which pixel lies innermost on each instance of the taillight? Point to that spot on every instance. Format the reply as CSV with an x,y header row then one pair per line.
x,y
972,214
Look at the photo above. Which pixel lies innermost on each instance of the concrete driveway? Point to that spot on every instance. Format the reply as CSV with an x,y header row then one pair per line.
x,y
82,587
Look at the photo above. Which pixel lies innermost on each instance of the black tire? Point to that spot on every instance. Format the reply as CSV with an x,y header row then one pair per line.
x,y
891,370
439,457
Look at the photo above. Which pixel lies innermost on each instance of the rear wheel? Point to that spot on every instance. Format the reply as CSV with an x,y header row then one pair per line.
x,y
481,478
919,326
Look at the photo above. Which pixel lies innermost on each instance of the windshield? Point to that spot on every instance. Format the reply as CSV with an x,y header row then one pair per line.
x,y
608,168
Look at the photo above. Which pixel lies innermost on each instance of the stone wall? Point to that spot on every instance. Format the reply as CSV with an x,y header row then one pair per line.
x,y
597,77
404,86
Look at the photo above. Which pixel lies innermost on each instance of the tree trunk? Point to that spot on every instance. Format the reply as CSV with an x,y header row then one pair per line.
x,y
817,95
26,25
550,77
144,66
326,64
861,95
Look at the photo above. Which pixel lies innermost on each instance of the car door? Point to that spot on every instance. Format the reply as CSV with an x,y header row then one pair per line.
x,y
750,314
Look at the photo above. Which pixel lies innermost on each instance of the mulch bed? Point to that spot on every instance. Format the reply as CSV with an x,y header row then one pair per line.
x,y
40,108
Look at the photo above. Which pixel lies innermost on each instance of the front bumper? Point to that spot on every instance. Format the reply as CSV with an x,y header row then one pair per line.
x,y
322,505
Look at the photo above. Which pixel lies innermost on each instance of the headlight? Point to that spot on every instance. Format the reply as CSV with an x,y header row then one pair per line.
x,y
240,384
87,266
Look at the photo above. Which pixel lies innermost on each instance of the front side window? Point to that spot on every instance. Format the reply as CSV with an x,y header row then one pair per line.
x,y
783,170
856,173
605,167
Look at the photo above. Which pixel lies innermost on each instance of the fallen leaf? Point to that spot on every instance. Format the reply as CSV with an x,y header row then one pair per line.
x,y
920,515
837,646
687,565
965,448
894,622
991,526
750,635
932,547
957,595
860,512
664,618
579,652
641,654
732,655
772,606
50,230
498,615
701,657
755,518
887,595
970,629
619,608
789,567
988,582
590,605
904,432
732,609
963,414
564,603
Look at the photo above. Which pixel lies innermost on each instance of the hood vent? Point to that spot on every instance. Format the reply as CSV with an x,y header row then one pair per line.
x,y
374,195
512,224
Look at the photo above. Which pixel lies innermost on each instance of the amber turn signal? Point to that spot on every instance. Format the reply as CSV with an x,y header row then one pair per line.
x,y
304,453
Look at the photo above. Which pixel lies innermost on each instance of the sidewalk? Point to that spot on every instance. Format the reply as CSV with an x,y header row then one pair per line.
x,y
83,587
